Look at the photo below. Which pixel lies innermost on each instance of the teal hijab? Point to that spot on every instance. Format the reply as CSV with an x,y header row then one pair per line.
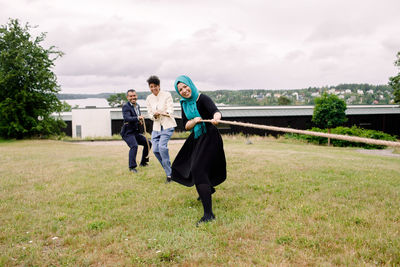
x,y
189,105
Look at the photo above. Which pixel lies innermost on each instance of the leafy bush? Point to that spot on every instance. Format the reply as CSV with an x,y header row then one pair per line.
x,y
329,111
353,131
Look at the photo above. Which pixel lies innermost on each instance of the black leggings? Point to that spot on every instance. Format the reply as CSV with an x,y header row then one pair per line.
x,y
204,191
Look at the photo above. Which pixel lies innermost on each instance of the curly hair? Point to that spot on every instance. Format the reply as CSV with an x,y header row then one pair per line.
x,y
153,79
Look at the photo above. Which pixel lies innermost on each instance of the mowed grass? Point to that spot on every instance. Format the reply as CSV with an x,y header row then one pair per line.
x,y
287,203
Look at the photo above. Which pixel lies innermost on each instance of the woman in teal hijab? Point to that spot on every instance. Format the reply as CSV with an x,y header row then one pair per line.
x,y
201,160
189,104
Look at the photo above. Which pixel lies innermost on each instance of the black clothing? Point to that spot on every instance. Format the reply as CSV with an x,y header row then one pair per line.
x,y
133,140
131,119
202,160
206,218
204,191
131,135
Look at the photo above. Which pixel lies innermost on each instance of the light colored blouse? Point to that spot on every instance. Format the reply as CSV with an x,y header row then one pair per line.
x,y
162,103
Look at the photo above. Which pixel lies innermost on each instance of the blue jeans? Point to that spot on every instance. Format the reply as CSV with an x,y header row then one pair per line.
x,y
160,148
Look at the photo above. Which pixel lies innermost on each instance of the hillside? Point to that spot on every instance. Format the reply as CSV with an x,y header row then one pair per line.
x,y
353,94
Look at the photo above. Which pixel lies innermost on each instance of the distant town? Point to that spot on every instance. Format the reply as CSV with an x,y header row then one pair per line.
x,y
352,94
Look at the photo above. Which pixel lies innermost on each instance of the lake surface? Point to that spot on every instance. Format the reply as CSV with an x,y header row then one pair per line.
x,y
97,102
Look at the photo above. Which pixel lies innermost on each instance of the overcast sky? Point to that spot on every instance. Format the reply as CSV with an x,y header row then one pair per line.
x,y
111,46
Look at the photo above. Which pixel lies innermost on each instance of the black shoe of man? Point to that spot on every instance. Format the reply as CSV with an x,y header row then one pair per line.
x,y
168,180
133,170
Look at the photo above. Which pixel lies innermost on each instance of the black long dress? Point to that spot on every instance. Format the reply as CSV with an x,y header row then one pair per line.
x,y
201,160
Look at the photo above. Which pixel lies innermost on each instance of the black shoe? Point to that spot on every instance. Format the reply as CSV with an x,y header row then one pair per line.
x,y
144,164
212,192
168,180
205,219
133,170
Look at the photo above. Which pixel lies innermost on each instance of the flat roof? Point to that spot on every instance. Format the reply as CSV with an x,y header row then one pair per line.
x,y
282,111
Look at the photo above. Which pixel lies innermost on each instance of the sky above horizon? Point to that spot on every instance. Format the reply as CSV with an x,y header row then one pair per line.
x,y
111,46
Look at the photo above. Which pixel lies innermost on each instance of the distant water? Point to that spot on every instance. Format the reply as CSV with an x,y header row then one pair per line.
x,y
97,102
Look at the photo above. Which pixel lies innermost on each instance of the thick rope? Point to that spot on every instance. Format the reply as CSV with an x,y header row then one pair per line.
x,y
147,141
333,136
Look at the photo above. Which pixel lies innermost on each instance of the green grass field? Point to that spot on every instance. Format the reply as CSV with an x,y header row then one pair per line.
x,y
286,203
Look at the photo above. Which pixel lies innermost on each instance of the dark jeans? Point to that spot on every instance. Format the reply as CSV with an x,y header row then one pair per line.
x,y
133,140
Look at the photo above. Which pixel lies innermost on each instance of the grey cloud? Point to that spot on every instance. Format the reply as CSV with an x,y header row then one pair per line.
x,y
392,44
210,58
328,66
110,62
99,83
115,32
251,44
345,28
329,52
105,50
294,55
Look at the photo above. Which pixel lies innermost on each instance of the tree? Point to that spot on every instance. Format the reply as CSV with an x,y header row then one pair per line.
x,y
394,81
66,107
117,100
329,112
28,87
283,100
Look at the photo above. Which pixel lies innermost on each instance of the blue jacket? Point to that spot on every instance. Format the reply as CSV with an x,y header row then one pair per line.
x,y
131,119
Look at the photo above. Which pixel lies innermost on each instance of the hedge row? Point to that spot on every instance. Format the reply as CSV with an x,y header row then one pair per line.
x,y
353,131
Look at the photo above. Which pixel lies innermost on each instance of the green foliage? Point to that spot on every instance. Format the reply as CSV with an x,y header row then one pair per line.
x,y
66,107
28,87
283,101
394,81
329,111
117,100
97,226
353,131
141,95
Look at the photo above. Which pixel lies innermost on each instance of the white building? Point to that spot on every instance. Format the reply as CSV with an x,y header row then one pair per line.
x,y
315,94
104,122
91,122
